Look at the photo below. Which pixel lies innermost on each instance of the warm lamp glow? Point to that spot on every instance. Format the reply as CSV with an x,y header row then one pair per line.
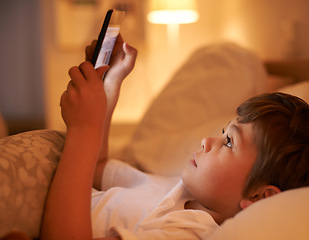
x,y
172,11
172,17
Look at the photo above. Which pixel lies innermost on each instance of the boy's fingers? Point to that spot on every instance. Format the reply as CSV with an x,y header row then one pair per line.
x,y
93,44
90,73
101,70
70,85
76,76
129,50
90,50
130,55
89,53
119,40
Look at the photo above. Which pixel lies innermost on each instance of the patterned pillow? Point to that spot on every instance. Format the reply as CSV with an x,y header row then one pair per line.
x,y
27,163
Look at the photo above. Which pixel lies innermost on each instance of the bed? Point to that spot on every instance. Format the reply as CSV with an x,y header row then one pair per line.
x,y
198,101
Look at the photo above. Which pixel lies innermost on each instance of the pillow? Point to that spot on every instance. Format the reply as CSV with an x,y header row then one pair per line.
x,y
284,216
300,89
27,164
206,90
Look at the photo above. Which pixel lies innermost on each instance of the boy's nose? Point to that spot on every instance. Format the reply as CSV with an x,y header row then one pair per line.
x,y
206,144
203,144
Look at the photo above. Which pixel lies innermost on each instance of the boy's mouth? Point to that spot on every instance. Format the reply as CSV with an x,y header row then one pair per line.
x,y
193,162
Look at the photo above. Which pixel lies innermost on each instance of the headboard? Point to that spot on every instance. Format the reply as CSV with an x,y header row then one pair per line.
x,y
296,69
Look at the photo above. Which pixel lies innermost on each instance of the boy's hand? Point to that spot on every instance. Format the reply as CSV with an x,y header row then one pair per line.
x,y
121,64
83,104
122,60
123,57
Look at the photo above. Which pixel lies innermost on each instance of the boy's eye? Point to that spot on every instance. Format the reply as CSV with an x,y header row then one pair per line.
x,y
228,142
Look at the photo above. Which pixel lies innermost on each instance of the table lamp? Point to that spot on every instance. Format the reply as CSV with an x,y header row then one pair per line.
x,y
172,13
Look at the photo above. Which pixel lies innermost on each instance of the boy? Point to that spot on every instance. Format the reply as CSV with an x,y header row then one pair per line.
x,y
262,152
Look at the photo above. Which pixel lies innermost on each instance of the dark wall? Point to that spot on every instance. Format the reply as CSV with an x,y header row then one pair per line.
x,y
21,83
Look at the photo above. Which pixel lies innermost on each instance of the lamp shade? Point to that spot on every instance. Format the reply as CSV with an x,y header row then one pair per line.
x,y
172,11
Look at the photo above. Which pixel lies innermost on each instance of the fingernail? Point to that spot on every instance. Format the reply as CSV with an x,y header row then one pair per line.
x,y
128,46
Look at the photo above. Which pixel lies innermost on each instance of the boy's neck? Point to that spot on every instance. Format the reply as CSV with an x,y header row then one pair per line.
x,y
195,205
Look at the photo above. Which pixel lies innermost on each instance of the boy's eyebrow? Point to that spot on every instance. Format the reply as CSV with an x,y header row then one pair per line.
x,y
237,130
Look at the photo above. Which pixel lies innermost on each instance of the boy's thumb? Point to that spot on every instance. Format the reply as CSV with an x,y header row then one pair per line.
x,y
101,70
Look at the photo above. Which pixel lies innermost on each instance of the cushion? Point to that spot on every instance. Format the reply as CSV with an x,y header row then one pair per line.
x,y
284,216
204,92
300,89
27,163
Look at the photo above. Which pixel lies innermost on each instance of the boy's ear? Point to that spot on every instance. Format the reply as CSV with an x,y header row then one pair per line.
x,y
261,193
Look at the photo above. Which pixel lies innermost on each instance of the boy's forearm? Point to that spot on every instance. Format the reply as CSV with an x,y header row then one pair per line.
x,y
68,206
103,157
122,63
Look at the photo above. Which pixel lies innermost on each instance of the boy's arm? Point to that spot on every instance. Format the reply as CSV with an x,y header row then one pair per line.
x,y
86,108
83,107
121,64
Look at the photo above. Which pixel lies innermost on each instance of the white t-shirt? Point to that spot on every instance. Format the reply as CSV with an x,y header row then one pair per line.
x,y
136,205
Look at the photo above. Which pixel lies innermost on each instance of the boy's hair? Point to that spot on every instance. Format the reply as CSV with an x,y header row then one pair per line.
x,y
281,129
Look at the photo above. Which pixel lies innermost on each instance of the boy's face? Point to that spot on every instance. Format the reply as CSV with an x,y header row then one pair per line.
x,y
217,173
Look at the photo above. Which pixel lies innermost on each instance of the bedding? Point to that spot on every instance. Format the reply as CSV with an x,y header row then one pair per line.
x,y
162,143
300,89
27,164
284,216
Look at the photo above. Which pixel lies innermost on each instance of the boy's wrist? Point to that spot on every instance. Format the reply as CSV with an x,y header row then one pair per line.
x,y
89,133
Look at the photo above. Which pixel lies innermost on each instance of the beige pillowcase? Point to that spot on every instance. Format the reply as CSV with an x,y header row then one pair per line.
x,y
27,164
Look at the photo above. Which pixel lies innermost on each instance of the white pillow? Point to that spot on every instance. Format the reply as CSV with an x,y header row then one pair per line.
x,y
205,91
284,216
300,89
